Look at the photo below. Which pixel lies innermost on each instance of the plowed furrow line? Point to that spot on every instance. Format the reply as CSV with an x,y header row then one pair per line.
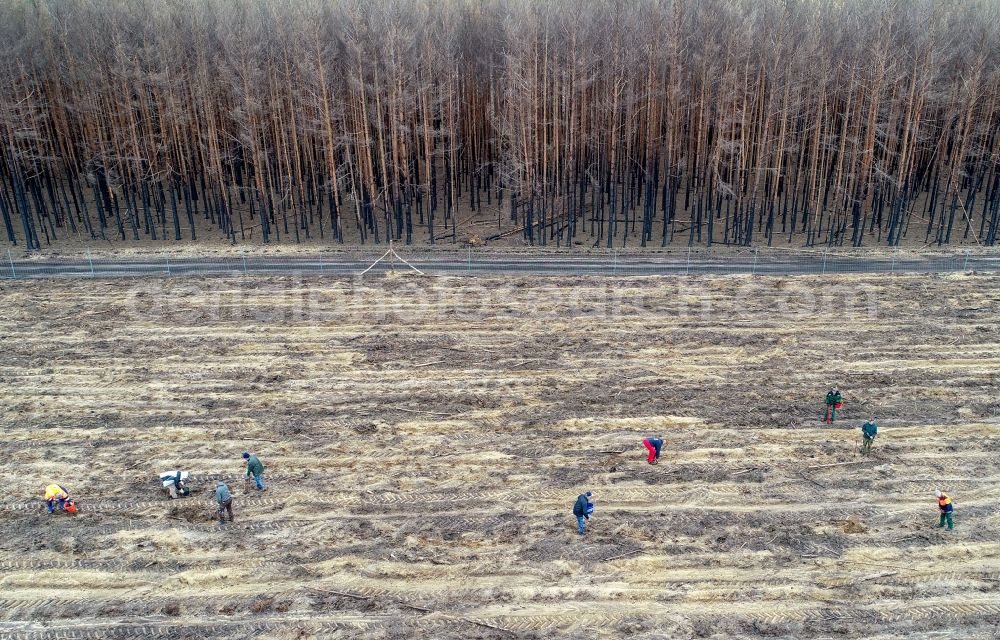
x,y
24,611
179,630
777,617
30,564
916,581
134,505
954,612
133,566
453,522
640,495
557,621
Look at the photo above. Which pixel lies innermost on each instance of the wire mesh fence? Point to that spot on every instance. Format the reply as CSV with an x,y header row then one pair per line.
x,y
477,261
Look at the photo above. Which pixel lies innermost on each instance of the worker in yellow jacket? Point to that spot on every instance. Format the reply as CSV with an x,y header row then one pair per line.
x,y
55,494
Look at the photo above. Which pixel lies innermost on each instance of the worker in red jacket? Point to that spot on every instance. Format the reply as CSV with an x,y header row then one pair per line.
x,y
653,446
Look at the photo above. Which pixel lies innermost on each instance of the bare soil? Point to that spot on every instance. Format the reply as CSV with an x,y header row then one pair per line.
x,y
425,441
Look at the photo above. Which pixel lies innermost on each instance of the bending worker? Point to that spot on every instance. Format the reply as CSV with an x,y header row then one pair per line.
x,y
653,446
56,495
175,483
225,500
582,510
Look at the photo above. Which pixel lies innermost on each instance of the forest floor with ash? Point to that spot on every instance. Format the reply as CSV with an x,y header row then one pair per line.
x,y
425,440
488,228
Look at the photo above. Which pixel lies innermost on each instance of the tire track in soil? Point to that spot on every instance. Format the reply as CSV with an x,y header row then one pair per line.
x,y
227,627
964,613
27,610
125,566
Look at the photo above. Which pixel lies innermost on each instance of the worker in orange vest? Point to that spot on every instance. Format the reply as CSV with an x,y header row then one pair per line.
x,y
946,507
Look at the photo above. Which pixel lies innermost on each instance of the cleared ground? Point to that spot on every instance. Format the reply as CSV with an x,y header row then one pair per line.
x,y
425,440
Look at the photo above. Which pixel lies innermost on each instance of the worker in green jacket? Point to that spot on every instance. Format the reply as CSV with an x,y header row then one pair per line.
x,y
868,432
255,469
833,402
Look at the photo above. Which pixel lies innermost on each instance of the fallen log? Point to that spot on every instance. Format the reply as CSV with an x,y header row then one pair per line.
x,y
623,555
524,362
427,364
342,593
487,625
876,564
839,464
877,575
865,579
818,484
433,413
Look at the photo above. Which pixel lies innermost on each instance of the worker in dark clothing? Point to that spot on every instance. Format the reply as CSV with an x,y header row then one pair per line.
x,y
175,483
834,401
582,510
255,469
225,500
868,432
946,508
653,446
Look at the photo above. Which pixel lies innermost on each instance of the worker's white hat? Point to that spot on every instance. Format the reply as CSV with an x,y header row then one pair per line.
x,y
937,494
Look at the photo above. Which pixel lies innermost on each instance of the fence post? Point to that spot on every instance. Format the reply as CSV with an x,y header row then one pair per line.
x,y
468,265
755,250
168,265
965,267
614,268
90,259
244,265
892,268
13,271
687,269
825,251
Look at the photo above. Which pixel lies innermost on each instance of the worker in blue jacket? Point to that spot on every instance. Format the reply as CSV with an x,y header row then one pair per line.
x,y
653,445
582,510
225,499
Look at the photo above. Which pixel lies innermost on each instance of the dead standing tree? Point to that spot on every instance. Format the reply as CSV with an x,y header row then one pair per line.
x,y
606,122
